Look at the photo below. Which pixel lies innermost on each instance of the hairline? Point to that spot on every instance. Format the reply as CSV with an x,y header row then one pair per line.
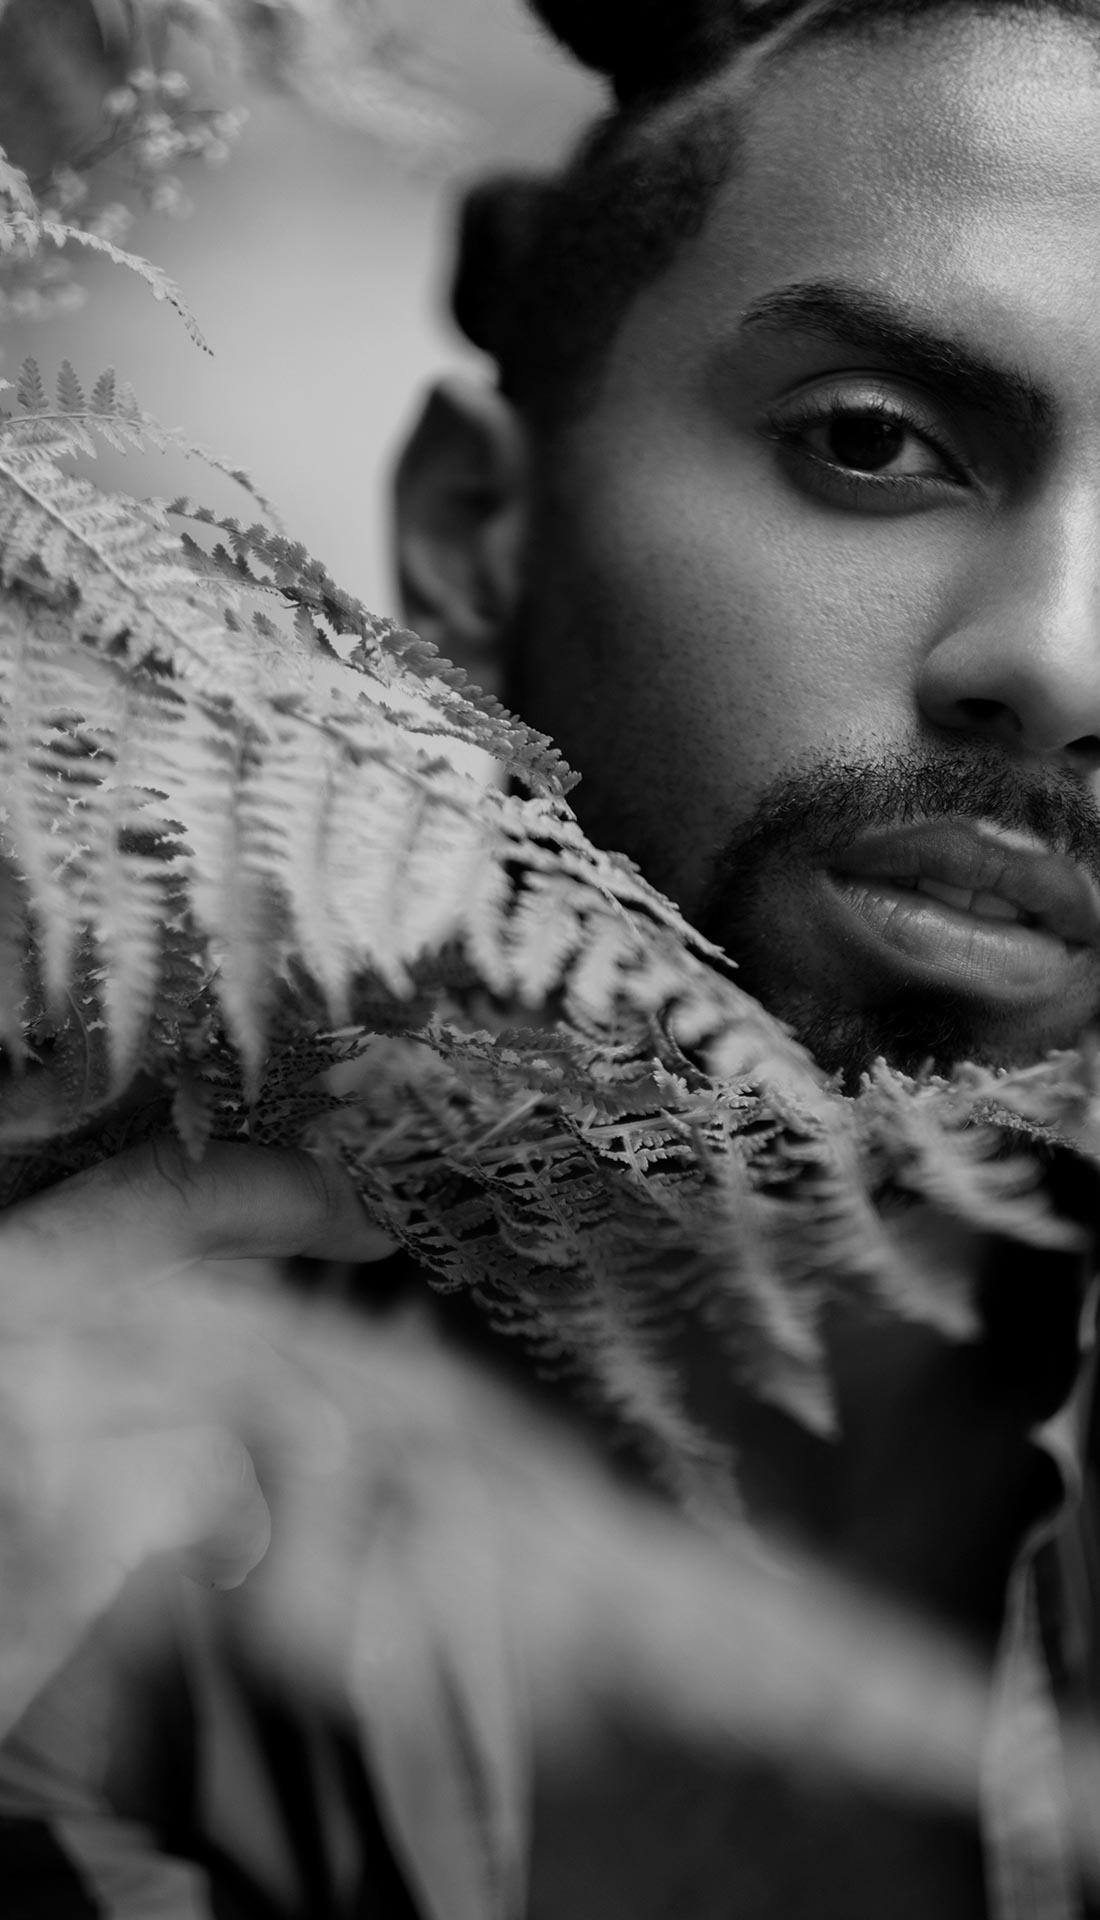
x,y
703,119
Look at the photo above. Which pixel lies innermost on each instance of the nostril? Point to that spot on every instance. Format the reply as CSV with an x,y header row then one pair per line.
x,y
986,713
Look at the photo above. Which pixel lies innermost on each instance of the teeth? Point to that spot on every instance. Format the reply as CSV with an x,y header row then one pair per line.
x,y
991,906
961,897
994,907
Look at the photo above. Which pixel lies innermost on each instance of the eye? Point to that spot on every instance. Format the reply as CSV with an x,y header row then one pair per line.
x,y
867,440
866,447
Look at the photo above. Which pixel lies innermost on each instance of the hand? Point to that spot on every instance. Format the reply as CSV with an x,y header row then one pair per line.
x,y
151,1209
104,1462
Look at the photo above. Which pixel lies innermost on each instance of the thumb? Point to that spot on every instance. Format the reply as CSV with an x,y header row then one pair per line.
x,y
191,1491
100,1509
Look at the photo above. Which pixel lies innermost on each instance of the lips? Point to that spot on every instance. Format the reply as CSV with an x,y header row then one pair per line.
x,y
993,876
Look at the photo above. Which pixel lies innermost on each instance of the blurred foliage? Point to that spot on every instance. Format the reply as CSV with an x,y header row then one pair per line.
x,y
56,65
102,102
459,1570
64,65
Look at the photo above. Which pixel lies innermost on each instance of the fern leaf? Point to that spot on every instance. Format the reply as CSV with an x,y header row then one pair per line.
x,y
20,223
14,944
545,937
30,391
229,470
115,414
105,392
16,189
70,393
159,283
121,437
36,792
124,565
391,658
199,764
938,1152
130,894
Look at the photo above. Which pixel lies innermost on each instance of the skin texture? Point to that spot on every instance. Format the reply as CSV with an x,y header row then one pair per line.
x,y
718,631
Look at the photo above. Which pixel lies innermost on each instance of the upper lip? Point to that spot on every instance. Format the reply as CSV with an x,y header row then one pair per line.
x,y
1048,886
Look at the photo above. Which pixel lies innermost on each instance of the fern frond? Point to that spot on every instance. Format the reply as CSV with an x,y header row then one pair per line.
x,y
70,393
25,226
160,285
391,658
15,188
941,1151
105,392
117,416
117,560
14,983
36,692
30,391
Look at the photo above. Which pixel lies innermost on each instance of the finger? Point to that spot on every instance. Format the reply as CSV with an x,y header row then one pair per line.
x,y
151,1208
248,1202
189,1491
345,1231
96,1514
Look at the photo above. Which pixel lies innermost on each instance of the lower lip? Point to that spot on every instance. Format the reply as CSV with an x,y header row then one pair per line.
x,y
932,944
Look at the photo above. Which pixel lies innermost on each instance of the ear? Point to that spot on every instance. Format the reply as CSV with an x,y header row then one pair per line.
x,y
461,523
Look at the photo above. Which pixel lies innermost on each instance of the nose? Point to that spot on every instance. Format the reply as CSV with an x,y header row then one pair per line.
x,y
1020,662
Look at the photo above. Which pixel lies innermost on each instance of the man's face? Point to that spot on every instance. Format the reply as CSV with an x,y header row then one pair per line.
x,y
814,589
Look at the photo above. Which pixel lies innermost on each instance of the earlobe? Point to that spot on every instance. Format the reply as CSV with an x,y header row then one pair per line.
x,y
461,523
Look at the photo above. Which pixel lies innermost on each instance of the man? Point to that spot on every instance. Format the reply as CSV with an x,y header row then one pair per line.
x,y
782,520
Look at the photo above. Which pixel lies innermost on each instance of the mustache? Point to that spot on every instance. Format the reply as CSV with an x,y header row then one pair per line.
x,y
814,811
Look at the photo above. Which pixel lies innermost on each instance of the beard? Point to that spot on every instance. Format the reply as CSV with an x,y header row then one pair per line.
x,y
754,902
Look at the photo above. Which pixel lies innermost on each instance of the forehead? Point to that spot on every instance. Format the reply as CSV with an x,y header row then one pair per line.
x,y
1005,104
953,163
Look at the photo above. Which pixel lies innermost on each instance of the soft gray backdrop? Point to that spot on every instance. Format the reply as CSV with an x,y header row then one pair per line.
x,y
315,263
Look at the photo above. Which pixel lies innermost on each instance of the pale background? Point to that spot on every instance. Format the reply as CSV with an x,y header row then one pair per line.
x,y
315,262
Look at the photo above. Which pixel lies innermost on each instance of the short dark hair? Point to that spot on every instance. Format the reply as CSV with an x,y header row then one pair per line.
x,y
547,266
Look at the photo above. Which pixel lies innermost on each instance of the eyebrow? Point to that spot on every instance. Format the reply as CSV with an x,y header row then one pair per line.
x,y
861,317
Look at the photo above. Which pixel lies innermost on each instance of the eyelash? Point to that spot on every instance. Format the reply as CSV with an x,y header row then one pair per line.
x,y
788,426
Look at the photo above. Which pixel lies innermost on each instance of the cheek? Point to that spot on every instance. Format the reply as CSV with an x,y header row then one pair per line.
x,y
755,630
